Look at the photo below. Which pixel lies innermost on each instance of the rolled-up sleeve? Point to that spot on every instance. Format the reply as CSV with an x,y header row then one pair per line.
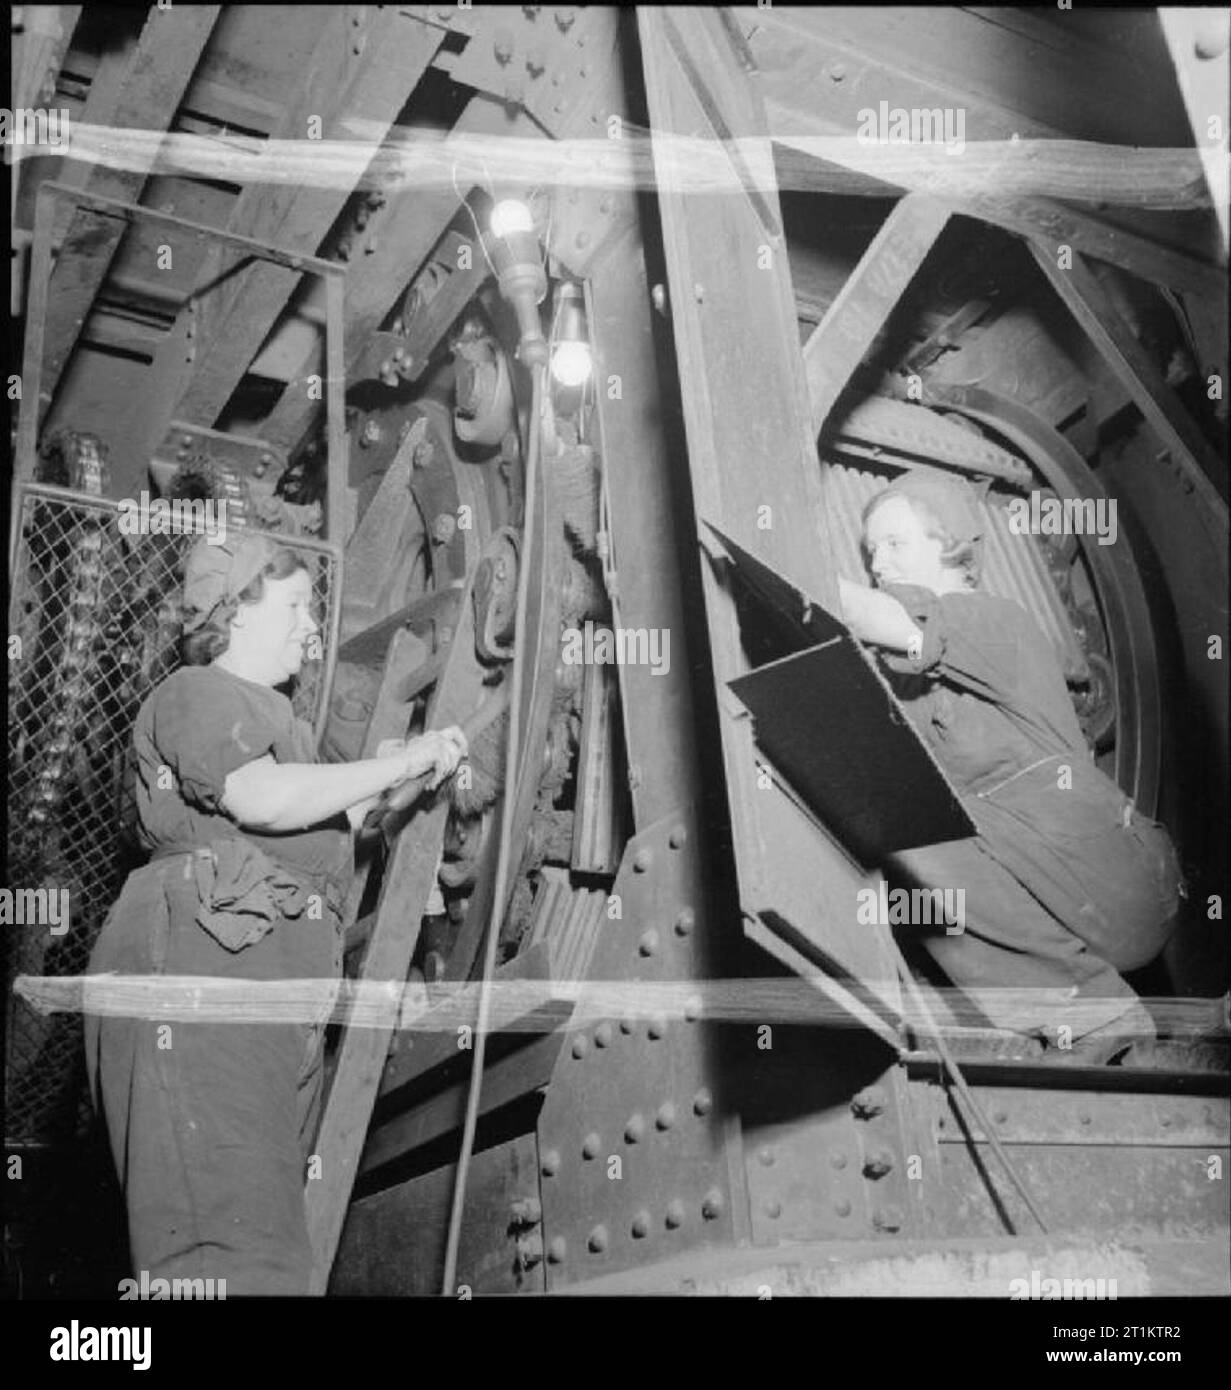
x,y
969,638
204,741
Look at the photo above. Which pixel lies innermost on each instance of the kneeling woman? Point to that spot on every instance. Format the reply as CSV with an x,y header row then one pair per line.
x,y
1065,883
211,1123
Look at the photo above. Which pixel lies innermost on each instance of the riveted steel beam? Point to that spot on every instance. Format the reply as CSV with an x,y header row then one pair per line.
x,y
754,467
148,88
365,72
638,1141
842,339
1090,305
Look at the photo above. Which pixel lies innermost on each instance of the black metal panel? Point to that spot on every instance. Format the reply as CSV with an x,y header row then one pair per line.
x,y
832,727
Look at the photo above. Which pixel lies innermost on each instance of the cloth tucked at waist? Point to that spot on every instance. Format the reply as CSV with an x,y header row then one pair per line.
x,y
244,892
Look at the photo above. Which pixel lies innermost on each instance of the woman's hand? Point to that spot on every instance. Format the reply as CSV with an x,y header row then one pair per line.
x,y
878,618
437,753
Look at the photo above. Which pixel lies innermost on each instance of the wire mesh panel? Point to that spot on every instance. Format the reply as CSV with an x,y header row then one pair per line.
x,y
96,616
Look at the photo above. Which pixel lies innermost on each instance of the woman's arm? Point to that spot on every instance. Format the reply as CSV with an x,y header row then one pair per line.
x,y
267,795
878,618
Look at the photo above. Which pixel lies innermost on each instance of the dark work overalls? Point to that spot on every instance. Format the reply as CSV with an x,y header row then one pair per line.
x,y
211,1123
1066,884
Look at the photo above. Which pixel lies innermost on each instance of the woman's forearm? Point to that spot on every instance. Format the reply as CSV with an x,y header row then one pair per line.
x,y
878,618
265,795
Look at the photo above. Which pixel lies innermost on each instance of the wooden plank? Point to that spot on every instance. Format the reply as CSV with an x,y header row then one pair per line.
x,y
143,93
407,231
409,879
238,316
1080,290
842,339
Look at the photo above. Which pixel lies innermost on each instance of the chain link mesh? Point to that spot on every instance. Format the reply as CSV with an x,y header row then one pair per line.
x,y
96,618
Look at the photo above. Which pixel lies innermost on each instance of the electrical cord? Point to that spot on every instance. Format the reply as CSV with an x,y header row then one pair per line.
x,y
506,833
963,1089
474,221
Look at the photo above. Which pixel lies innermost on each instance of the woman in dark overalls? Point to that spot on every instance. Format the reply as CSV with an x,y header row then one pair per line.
x,y
211,1123
1066,884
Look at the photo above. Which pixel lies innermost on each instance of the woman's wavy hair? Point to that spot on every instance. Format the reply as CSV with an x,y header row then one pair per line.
x,y
213,637
964,555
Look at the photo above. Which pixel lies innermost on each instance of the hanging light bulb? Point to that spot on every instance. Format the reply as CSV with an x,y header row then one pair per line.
x,y
571,363
571,360
510,216
517,260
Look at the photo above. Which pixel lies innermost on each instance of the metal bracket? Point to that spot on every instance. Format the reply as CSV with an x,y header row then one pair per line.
x,y
34,406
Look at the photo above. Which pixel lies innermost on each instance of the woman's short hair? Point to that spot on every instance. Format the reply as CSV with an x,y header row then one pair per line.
x,y
213,637
961,553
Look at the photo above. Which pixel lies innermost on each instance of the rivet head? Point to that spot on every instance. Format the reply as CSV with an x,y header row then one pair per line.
x,y
878,1163
598,1239
766,1156
591,1145
842,1207
665,1116
657,1026
527,1211
712,1205
869,1102
675,1214
628,1023
703,1101
838,1159
1165,1121
677,837
603,1034
557,1249
1210,36
692,1008
648,943
581,1045
641,1225
634,1130
685,922
773,1210
550,1165
1001,1117
1085,1119
642,860
887,1219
